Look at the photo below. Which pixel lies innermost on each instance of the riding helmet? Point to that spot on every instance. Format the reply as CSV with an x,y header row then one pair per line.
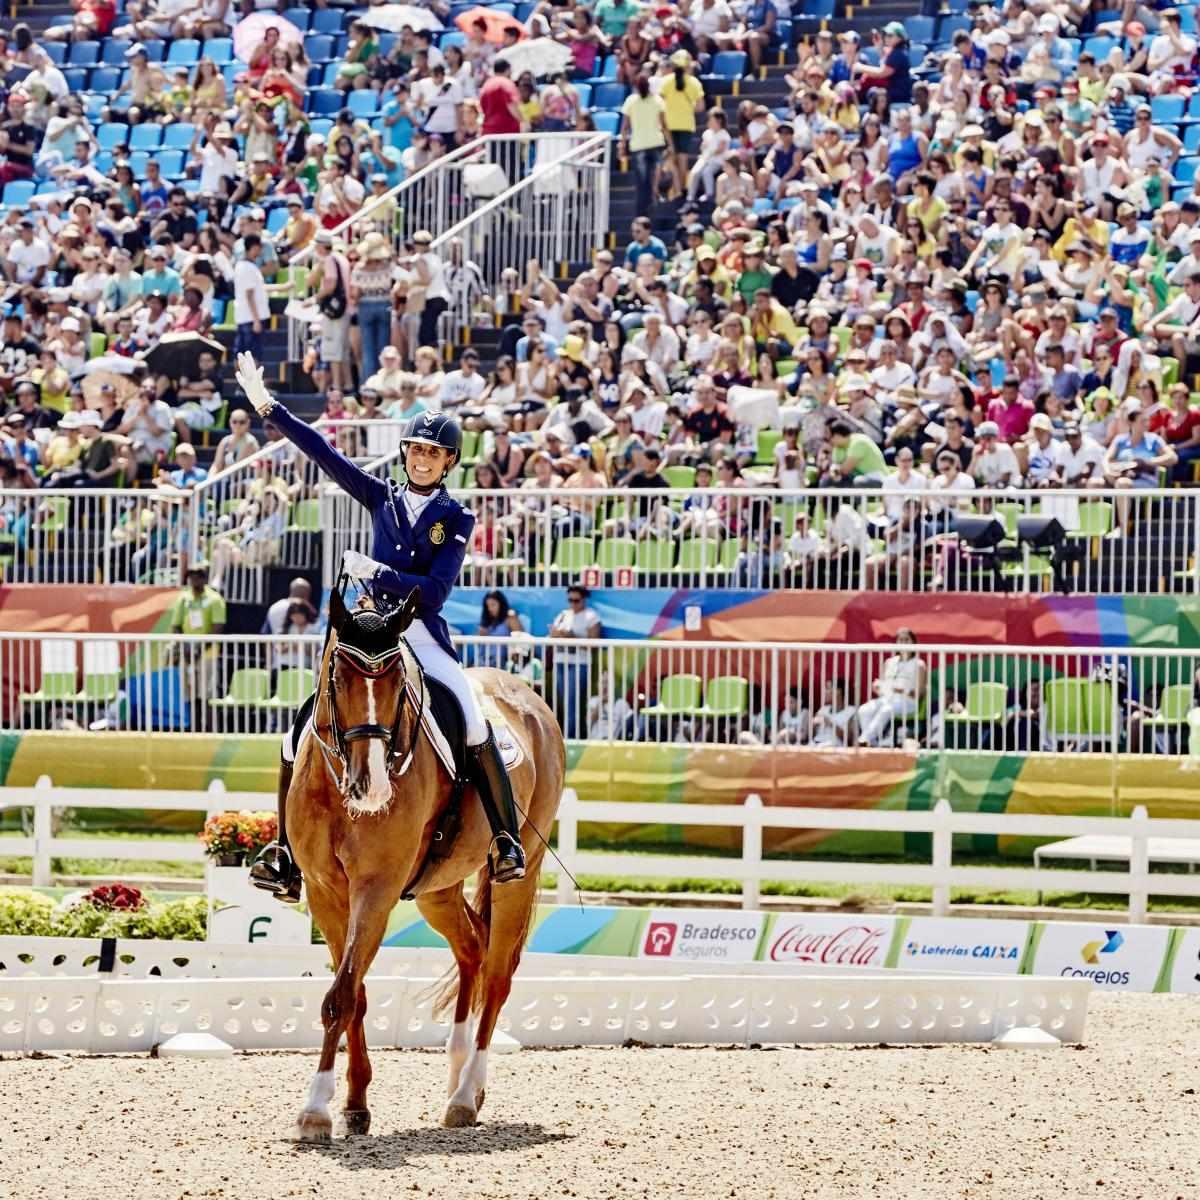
x,y
435,429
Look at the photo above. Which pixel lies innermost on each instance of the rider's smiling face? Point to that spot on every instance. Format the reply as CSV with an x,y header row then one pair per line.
x,y
425,464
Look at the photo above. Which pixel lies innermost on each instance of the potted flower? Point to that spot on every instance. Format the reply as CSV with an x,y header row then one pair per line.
x,y
230,838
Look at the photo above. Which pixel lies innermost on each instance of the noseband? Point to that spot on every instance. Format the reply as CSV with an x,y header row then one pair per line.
x,y
370,666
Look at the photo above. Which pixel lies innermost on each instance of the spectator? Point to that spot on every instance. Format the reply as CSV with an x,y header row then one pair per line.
x,y
898,692
572,664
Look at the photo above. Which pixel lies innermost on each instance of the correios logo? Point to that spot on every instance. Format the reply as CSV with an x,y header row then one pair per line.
x,y
1091,951
849,946
660,939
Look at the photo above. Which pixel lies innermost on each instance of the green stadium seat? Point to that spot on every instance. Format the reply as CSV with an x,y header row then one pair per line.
x,y
680,477
725,696
697,554
616,552
655,556
292,687
305,517
1095,519
1078,709
574,554
678,696
470,446
768,439
249,685
986,706
1173,707
56,686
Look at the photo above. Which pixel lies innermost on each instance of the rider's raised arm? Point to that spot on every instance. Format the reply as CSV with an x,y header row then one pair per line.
x,y
366,489
443,574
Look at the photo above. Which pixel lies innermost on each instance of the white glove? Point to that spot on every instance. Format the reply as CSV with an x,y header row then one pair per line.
x,y
359,566
250,377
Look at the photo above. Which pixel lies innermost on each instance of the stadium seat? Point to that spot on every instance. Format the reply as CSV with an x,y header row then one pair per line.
x,y
76,78
305,517
249,686
104,80
220,50
324,101
729,64
680,476
137,163
362,103
1191,134
56,685
17,193
327,20
608,95
985,708
111,134
57,52
1100,46
1185,170
607,122
919,29
724,697
764,454
1077,710
678,696
470,446
654,556
318,47
276,220
113,53
83,54
696,554
178,136
616,552
292,687
184,52
1174,704
145,137
171,163
299,17
1166,110
571,553
155,50
822,9
1095,519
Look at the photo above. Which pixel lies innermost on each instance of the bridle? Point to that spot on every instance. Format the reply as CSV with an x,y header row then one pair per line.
x,y
370,666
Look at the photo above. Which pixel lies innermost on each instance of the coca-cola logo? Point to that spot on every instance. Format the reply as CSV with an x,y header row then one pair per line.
x,y
850,946
660,939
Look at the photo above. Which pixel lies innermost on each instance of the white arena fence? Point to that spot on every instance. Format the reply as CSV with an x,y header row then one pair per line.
x,y
865,539
994,699
751,868
114,1016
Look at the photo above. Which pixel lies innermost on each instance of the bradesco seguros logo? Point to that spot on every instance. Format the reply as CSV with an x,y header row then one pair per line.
x,y
829,941
1126,959
962,944
700,936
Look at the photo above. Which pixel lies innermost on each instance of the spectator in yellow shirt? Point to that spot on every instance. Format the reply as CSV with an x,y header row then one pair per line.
x,y
772,325
682,95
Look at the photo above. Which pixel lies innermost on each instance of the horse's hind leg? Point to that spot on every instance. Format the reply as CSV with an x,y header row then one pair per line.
x,y
330,909
510,915
448,912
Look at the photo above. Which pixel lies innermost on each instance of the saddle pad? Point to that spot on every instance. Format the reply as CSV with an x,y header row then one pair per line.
x,y
510,749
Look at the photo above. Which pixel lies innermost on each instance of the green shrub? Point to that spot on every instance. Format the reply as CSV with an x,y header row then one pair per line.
x,y
28,914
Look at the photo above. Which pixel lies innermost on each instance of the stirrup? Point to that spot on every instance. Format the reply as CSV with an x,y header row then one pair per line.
x,y
506,859
275,872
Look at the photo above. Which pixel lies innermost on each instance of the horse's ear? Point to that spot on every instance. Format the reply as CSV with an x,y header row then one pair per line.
x,y
338,613
404,616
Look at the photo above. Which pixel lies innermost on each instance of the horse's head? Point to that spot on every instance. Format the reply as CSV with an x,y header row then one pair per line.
x,y
366,699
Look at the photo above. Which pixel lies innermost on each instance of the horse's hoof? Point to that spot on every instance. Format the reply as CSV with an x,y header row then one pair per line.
x,y
314,1127
458,1116
358,1121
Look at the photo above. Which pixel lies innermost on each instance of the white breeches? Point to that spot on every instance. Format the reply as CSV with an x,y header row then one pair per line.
x,y
438,665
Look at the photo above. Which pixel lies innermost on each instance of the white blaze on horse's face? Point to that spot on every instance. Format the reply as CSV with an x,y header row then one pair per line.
x,y
379,785
367,779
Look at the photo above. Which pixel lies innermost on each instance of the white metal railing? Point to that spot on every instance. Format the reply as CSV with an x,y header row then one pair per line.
x,y
42,844
92,535
940,874
1133,543
443,193
556,213
827,697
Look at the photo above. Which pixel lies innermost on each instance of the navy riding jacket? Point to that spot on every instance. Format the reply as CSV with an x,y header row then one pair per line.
x,y
427,555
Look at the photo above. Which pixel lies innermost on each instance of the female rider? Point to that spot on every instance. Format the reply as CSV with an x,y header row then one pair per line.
x,y
420,539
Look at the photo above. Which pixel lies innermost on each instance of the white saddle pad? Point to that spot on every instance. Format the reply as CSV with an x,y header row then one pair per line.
x,y
510,749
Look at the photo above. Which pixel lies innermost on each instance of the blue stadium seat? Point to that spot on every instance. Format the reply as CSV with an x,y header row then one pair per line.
x,y
362,103
324,101
319,46
298,17
949,26
452,37
170,163
608,95
1187,18
137,163
1099,46
17,193
584,92
111,134
155,50
329,74
145,137
818,8
113,54
1185,170
729,64
321,125
76,78
607,122
83,54
920,29
327,20
104,80
220,50
178,136
184,52
230,72
103,162
57,52
1166,110
276,220
1191,137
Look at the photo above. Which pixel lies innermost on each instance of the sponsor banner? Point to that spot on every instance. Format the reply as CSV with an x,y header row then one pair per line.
x,y
1124,958
702,935
828,942
974,947
1185,962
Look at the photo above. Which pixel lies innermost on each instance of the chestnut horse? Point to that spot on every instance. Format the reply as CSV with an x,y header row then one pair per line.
x,y
366,797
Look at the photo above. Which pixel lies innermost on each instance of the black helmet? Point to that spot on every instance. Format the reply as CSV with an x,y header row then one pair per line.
x,y
435,429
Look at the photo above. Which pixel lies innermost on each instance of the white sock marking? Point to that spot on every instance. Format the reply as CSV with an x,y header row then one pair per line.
x,y
458,1050
473,1081
321,1092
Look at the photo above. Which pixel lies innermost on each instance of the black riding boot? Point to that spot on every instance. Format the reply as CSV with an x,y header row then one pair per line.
x,y
506,858
273,870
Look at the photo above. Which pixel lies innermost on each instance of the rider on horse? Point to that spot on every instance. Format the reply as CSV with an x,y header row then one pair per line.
x,y
420,539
